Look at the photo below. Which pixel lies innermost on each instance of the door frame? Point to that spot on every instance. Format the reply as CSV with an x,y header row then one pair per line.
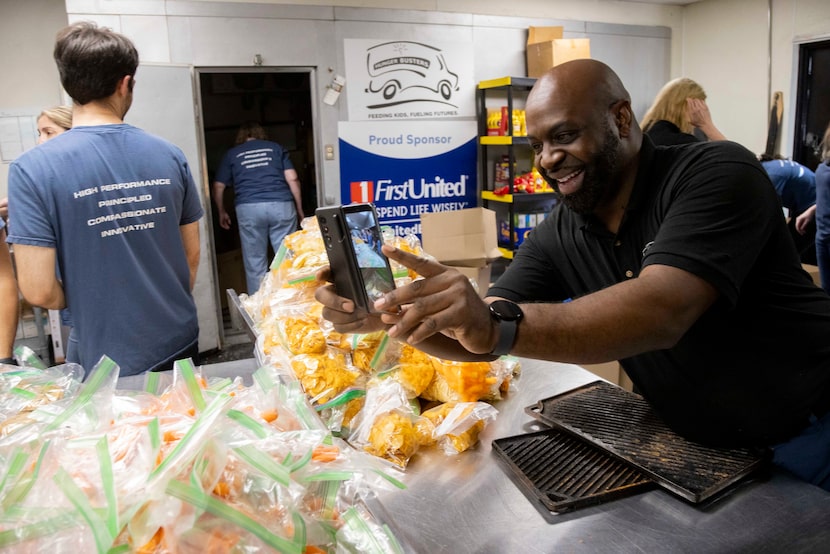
x,y
206,185
802,93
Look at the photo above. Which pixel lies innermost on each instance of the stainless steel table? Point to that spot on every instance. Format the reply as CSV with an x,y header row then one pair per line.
x,y
468,503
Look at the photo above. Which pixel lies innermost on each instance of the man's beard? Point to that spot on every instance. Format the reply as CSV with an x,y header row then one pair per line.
x,y
596,181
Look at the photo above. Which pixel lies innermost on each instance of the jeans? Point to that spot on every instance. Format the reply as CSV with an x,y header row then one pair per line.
x,y
258,223
807,455
71,355
823,260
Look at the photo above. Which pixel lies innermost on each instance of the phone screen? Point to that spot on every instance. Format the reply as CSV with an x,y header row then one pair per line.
x,y
366,239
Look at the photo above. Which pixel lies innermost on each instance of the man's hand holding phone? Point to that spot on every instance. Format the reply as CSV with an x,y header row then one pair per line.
x,y
443,303
342,312
359,271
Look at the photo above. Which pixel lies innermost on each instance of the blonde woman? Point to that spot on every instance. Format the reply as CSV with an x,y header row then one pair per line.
x,y
50,123
53,121
679,108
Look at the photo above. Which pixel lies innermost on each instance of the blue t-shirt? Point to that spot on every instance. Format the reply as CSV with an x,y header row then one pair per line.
x,y
256,171
794,183
111,199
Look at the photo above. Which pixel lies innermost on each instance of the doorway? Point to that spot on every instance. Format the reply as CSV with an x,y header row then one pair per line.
x,y
812,112
280,99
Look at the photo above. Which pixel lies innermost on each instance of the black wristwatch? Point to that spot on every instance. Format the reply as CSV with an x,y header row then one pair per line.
x,y
508,315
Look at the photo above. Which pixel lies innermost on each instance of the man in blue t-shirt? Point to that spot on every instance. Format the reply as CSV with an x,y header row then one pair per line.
x,y
267,197
114,211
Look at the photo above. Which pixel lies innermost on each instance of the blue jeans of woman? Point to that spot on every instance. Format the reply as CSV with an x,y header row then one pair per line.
x,y
258,223
823,260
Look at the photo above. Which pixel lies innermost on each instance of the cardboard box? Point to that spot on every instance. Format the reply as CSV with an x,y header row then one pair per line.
x,y
478,275
536,35
611,372
546,48
813,271
461,237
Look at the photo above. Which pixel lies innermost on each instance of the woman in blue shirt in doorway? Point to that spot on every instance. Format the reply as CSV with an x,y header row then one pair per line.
x,y
268,200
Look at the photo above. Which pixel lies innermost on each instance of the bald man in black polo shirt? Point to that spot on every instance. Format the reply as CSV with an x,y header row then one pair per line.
x,y
679,264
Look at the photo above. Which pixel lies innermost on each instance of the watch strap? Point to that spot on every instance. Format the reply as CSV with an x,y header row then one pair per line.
x,y
507,336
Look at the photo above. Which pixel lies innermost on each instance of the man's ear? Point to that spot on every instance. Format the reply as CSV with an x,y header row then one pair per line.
x,y
623,117
125,85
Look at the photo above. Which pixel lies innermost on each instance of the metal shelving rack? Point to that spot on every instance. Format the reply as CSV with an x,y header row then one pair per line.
x,y
510,85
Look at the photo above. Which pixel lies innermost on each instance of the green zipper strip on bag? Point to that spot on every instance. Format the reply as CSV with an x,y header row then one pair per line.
x,y
44,528
103,538
193,388
108,481
19,458
101,373
193,495
264,463
282,251
26,481
343,398
152,380
249,423
203,422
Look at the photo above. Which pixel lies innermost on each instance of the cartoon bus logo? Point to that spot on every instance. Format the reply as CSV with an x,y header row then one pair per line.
x,y
406,71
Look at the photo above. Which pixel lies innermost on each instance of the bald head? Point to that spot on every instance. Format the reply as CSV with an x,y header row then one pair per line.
x,y
583,80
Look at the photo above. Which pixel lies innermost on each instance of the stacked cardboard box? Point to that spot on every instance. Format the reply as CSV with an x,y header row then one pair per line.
x,y
464,239
546,48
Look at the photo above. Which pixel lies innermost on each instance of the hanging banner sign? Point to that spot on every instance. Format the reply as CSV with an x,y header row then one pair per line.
x,y
408,168
404,79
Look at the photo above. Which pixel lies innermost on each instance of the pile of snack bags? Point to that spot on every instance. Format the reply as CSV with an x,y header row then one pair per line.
x,y
195,464
384,397
188,465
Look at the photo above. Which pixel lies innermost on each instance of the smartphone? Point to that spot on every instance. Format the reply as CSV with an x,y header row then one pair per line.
x,y
353,239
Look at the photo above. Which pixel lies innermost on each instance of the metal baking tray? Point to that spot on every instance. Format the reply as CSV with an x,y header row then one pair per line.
x,y
624,425
560,473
